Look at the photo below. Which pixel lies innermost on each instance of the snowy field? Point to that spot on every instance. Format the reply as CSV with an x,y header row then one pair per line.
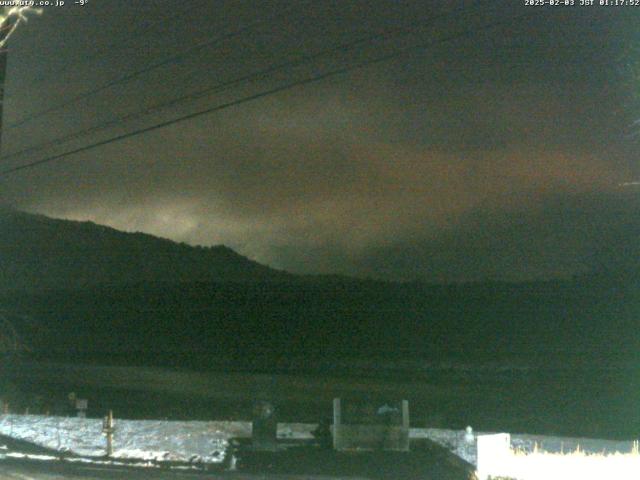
x,y
138,439
207,441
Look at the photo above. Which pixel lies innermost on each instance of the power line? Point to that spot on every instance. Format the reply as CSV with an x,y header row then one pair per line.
x,y
265,93
260,74
149,68
101,52
176,101
259,95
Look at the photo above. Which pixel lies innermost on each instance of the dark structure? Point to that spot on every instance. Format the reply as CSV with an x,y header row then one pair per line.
x,y
371,427
264,427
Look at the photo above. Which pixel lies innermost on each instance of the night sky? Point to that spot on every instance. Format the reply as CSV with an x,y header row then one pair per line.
x,y
498,153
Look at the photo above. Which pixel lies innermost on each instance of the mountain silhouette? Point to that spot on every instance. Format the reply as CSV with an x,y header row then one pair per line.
x,y
97,294
37,252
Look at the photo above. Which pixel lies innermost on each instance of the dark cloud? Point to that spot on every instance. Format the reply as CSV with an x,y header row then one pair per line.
x,y
453,163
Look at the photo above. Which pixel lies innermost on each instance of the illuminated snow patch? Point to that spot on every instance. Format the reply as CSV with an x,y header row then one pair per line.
x,y
147,440
579,465
498,459
43,458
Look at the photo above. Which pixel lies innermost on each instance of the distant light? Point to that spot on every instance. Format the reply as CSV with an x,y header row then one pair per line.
x,y
630,184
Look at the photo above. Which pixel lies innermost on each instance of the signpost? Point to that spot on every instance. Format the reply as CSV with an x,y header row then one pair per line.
x,y
82,404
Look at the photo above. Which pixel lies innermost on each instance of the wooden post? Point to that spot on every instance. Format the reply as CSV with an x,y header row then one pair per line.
x,y
405,414
107,429
337,419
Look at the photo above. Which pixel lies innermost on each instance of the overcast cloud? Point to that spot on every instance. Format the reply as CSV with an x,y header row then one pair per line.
x,y
492,156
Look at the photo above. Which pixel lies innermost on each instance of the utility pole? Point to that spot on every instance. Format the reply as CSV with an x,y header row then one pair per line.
x,y
6,27
10,18
3,72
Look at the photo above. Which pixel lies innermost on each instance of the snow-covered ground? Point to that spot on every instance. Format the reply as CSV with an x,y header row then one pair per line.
x,y
207,441
458,442
139,439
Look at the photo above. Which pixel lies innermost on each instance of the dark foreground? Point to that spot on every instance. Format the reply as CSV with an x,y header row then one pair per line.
x,y
425,461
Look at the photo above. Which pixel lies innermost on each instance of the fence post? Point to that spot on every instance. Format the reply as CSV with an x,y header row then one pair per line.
x,y
107,429
337,421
